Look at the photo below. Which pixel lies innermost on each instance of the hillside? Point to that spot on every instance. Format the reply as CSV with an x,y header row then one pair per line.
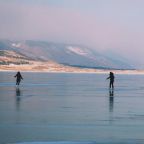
x,y
28,52
14,61
10,57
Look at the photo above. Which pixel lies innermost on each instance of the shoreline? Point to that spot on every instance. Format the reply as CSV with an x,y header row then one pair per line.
x,y
51,67
82,71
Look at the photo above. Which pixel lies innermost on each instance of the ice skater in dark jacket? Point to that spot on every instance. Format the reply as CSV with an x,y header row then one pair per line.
x,y
18,78
111,77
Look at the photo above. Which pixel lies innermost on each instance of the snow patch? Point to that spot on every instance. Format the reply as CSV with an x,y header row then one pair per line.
x,y
77,50
16,45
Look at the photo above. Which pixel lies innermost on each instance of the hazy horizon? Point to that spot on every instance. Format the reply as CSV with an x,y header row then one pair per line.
x,y
103,25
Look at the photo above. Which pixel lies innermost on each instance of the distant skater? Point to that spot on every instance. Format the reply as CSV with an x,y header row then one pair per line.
x,y
18,78
111,77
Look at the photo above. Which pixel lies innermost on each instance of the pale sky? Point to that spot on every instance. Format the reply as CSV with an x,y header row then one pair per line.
x,y
116,25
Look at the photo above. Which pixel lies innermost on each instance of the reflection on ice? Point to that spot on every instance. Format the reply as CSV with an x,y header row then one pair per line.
x,y
18,98
111,105
111,100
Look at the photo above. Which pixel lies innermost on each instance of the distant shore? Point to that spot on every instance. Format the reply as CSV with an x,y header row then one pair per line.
x,y
62,69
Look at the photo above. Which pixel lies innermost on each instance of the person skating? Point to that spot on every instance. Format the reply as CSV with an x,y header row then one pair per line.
x,y
18,78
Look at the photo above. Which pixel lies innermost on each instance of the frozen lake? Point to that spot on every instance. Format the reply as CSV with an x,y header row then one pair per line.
x,y
71,108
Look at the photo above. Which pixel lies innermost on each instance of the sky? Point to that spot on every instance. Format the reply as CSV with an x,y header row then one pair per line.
x,y
104,25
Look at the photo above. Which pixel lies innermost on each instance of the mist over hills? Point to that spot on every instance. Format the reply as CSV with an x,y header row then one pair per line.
x,y
66,54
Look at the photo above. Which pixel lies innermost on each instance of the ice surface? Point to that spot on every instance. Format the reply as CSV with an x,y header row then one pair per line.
x,y
71,108
58,142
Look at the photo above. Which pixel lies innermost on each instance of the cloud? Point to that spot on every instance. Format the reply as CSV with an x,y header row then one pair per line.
x,y
44,22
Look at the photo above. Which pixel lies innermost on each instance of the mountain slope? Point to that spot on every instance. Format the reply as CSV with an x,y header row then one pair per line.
x,y
67,54
10,57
